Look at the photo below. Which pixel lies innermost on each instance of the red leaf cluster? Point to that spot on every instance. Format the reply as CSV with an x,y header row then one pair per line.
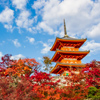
x,y
92,73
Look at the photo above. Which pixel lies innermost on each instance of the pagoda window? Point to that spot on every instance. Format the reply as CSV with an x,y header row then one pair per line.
x,y
70,60
68,48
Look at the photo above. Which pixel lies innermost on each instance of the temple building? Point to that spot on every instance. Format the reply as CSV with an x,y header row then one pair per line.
x,y
67,55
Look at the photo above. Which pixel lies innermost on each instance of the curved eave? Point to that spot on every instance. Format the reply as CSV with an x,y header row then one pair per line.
x,y
55,70
58,52
56,43
59,66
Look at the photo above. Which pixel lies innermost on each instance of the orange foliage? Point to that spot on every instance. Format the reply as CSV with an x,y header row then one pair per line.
x,y
21,67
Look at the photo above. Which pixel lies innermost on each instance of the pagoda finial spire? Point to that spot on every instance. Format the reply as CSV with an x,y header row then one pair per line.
x,y
65,29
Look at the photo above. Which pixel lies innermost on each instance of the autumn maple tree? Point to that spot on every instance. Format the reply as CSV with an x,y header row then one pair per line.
x,y
18,67
21,80
92,73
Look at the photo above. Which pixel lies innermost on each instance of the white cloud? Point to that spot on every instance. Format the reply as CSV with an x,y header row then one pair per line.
x,y
6,17
94,32
16,43
16,57
38,4
30,39
45,27
19,4
9,27
51,40
92,46
46,48
1,54
39,58
24,20
80,15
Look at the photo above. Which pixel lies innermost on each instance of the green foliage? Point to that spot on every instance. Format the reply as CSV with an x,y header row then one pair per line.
x,y
96,97
92,90
98,92
94,93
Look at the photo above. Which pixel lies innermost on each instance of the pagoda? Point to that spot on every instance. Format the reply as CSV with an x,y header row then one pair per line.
x,y
67,55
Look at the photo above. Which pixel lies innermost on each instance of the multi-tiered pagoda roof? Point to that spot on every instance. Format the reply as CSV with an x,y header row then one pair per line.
x,y
67,55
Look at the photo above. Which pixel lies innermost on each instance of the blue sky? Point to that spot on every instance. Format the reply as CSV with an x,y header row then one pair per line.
x,y
28,28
